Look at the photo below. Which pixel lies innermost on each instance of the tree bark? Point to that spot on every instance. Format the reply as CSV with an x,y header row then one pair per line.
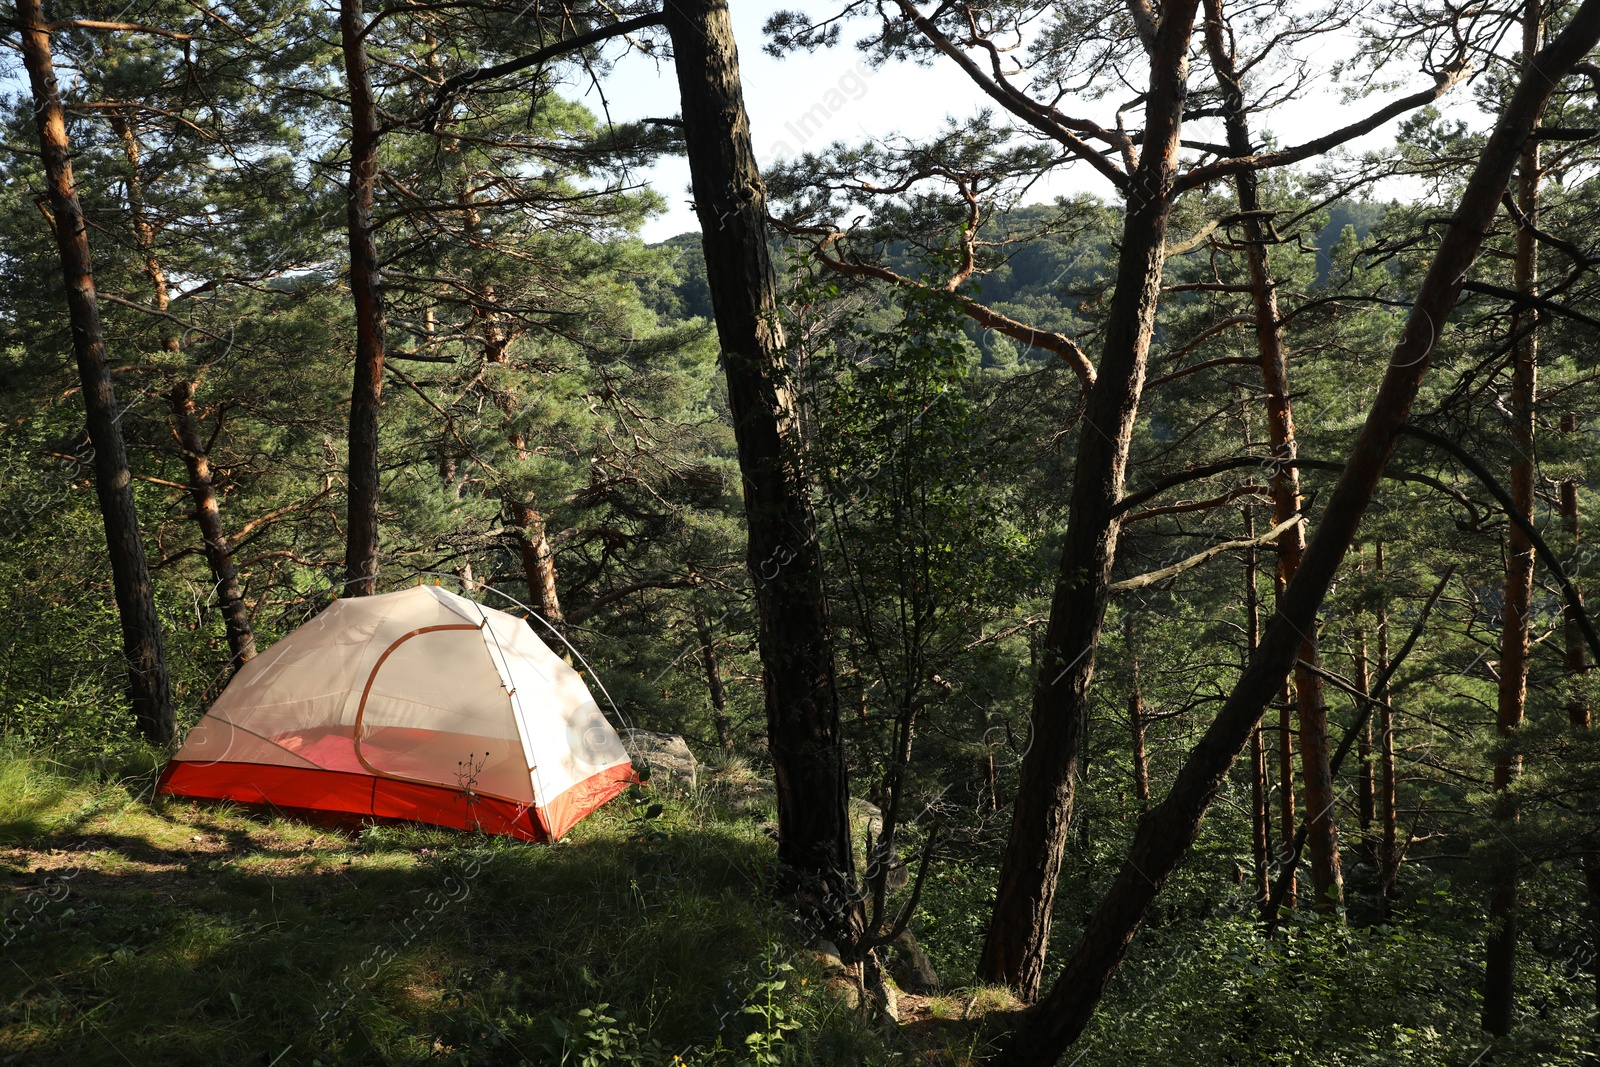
x,y
1500,950
1322,838
218,548
1141,771
1591,883
1286,791
1388,849
148,686
719,699
185,428
1366,794
1575,657
784,558
1260,814
1164,836
538,557
366,287
1576,661
533,546
1019,929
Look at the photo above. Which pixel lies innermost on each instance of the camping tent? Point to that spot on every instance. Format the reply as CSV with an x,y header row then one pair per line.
x,y
418,705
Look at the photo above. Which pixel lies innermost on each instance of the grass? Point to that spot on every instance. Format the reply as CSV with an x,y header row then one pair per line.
x,y
142,931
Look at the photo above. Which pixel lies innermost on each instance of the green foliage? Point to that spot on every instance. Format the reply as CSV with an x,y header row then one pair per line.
x,y
767,1008
1320,994
553,377
595,1039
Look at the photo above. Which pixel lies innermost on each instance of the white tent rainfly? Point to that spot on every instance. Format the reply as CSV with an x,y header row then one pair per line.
x,y
417,705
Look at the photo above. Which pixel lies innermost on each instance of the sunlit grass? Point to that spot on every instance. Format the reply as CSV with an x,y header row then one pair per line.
x,y
186,933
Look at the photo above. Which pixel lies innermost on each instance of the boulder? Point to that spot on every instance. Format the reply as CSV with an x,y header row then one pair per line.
x,y
867,820
667,756
910,966
845,990
866,815
826,956
886,998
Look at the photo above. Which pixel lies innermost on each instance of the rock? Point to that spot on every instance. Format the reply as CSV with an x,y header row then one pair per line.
x,y
867,818
826,954
867,815
745,794
911,967
844,989
887,998
667,756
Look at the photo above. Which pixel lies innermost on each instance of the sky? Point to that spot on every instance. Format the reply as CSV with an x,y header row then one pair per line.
x,y
805,101
808,100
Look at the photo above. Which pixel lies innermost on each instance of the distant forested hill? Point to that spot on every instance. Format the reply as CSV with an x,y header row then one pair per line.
x,y
1041,283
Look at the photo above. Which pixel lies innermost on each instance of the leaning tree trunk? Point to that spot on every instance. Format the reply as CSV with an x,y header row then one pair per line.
x,y
1165,835
784,560
148,687
1322,837
361,522
1019,929
185,427
1500,950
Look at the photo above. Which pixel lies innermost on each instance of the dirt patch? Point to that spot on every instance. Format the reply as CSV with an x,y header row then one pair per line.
x,y
105,862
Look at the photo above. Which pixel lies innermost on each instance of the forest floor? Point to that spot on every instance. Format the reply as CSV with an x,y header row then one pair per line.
x,y
140,930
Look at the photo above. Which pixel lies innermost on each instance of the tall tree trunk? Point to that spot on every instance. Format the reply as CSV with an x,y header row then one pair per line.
x,y
1260,814
533,546
1576,656
784,558
218,548
719,699
1165,835
1141,770
148,686
1366,794
1019,930
366,287
1591,883
185,427
1322,838
1500,950
538,556
1389,847
1286,790
1575,659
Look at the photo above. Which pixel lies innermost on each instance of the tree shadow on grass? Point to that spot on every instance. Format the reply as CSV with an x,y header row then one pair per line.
x,y
394,955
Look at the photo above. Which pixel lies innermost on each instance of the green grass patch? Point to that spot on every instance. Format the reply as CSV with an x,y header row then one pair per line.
x,y
184,933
